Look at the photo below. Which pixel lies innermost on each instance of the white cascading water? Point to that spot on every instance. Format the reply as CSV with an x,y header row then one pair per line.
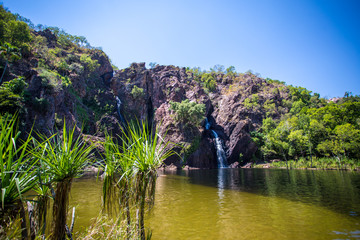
x,y
221,156
118,103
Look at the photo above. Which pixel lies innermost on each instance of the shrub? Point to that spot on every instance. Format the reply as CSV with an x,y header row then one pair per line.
x,y
16,85
190,149
252,102
137,92
209,81
11,95
269,107
76,68
89,62
188,112
50,79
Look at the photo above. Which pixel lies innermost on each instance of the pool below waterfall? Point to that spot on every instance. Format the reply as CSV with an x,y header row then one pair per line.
x,y
243,204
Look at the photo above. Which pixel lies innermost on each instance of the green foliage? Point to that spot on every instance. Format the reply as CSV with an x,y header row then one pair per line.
x,y
349,97
188,112
218,68
130,172
67,40
11,95
196,72
16,85
152,65
300,94
192,147
252,102
66,155
13,31
16,167
319,163
208,81
137,92
332,130
76,68
65,158
297,106
83,116
230,70
93,102
50,80
88,62
269,107
9,102
345,141
9,53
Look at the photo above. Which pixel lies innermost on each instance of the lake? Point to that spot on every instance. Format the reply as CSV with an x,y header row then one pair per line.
x,y
243,204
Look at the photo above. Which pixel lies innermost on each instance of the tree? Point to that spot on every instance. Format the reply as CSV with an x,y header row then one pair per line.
x,y
208,81
137,92
188,112
347,139
152,65
65,158
131,170
299,141
230,70
218,68
277,142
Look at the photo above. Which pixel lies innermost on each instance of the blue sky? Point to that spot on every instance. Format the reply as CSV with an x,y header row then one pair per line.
x,y
309,43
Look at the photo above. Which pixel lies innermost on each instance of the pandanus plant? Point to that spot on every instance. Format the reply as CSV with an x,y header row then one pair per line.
x,y
134,162
41,203
17,175
65,157
147,150
117,180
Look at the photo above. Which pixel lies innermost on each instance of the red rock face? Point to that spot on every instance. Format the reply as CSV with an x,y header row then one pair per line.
x,y
232,121
145,95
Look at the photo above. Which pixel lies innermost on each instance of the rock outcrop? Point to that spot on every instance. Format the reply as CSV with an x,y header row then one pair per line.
x,y
225,109
84,93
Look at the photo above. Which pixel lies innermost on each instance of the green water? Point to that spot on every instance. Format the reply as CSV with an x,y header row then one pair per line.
x,y
244,204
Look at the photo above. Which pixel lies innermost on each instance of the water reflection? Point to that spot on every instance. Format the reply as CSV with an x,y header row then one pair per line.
x,y
337,190
221,183
255,204
243,204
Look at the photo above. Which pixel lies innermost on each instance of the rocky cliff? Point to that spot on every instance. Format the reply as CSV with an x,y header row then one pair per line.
x,y
234,108
78,85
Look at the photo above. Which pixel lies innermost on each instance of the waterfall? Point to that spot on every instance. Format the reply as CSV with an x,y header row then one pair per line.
x,y
221,156
118,103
